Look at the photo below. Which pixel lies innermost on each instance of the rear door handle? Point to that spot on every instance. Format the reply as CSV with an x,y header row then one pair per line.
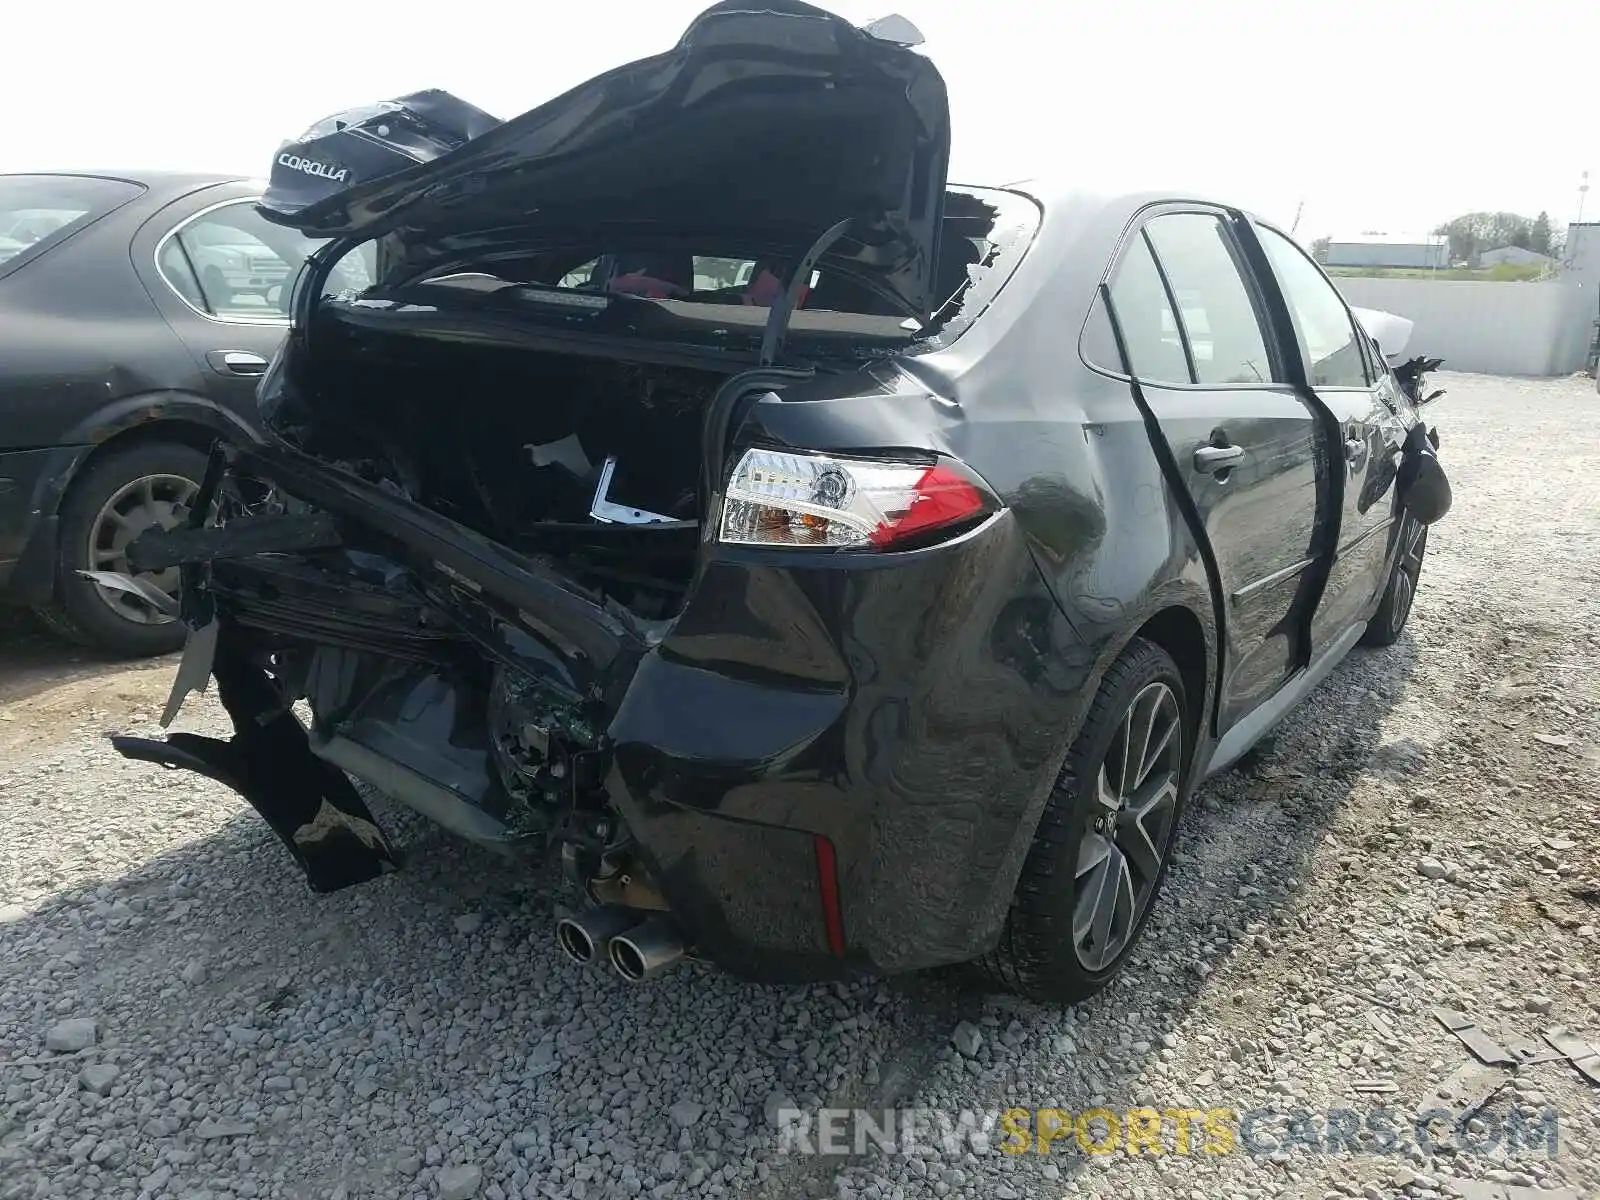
x,y
236,362
1209,459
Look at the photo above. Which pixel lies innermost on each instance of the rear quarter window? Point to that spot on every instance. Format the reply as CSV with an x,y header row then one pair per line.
x,y
38,212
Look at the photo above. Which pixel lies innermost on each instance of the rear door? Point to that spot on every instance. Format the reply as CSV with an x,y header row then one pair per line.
x,y
1245,444
1342,371
221,275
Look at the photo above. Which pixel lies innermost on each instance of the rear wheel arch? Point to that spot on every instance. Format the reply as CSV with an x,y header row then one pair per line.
x,y
1179,617
1192,640
181,417
1177,629
1034,950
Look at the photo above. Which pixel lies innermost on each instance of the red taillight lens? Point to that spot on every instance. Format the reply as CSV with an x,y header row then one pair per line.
x,y
941,497
782,498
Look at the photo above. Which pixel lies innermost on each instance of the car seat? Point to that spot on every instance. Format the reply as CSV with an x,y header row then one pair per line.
x,y
653,276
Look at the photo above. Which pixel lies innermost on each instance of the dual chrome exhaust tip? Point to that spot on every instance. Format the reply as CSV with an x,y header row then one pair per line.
x,y
638,947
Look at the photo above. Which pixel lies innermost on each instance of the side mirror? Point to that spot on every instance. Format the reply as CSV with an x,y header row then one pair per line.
x,y
1423,485
895,29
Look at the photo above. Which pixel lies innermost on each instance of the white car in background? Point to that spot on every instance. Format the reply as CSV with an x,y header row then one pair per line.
x,y
231,263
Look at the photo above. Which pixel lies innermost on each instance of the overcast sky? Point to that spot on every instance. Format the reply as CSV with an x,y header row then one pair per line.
x,y
1379,114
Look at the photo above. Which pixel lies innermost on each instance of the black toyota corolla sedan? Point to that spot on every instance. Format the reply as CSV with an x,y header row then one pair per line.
x,y
137,314
839,570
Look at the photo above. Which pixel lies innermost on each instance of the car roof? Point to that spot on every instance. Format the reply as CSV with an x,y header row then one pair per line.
x,y
164,184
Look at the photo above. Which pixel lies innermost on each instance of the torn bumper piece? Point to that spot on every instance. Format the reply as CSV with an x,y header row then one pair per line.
x,y
310,804
157,549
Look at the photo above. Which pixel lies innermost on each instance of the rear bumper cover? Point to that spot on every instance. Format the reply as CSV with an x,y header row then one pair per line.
x,y
904,712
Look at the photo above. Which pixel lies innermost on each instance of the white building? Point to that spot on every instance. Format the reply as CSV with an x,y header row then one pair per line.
x,y
1516,256
1389,250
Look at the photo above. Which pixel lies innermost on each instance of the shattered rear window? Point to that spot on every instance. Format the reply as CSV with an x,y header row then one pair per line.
x,y
986,232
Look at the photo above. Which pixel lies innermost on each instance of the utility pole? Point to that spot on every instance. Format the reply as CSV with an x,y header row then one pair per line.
x,y
1583,194
1298,209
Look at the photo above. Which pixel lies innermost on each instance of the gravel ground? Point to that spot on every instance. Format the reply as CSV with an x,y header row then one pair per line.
x,y
1422,833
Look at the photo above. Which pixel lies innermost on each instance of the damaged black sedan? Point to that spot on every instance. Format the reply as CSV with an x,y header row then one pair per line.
x,y
839,570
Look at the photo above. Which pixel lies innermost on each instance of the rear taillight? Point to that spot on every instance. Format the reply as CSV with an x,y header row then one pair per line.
x,y
780,498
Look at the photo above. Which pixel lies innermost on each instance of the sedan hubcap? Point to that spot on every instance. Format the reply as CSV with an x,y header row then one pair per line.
x,y
1129,825
153,501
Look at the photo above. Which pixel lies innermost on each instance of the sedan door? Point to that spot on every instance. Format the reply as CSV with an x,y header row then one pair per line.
x,y
221,276
1244,443
1342,373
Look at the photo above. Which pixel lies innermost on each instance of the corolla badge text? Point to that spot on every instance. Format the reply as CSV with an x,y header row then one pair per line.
x,y
311,167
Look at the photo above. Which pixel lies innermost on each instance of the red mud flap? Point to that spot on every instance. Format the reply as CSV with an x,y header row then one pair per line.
x,y
310,804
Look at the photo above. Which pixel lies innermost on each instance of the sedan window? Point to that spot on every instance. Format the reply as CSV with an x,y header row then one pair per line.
x,y
36,210
1149,330
1333,354
233,264
1225,335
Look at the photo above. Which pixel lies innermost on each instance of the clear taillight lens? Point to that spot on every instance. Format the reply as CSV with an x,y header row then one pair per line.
x,y
779,498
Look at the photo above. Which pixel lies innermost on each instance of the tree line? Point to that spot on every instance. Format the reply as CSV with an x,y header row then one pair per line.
x,y
1471,234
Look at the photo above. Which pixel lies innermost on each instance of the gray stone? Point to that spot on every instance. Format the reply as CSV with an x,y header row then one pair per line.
x,y
1431,868
460,1183
469,923
98,1078
222,1127
73,1034
967,1038
777,1103
685,1113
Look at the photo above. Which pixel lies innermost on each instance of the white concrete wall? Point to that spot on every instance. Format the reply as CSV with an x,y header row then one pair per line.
x,y
1496,328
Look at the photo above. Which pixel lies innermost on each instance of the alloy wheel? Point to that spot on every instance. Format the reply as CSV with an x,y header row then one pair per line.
x,y
151,501
1414,540
1128,827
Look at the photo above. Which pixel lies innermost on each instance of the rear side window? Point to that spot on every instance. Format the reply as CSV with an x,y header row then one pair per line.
x,y
38,211
1149,329
1225,336
233,264
1327,333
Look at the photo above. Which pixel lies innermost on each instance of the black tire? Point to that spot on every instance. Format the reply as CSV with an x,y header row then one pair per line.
x,y
1039,953
1394,610
81,610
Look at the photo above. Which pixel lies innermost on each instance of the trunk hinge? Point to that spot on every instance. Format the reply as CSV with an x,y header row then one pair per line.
x,y
778,319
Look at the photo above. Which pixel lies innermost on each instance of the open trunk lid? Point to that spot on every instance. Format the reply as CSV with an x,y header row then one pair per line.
x,y
777,121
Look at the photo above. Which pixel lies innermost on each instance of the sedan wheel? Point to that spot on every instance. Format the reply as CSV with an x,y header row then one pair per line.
x,y
1098,857
1415,535
117,496
1136,801
153,501
1394,609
